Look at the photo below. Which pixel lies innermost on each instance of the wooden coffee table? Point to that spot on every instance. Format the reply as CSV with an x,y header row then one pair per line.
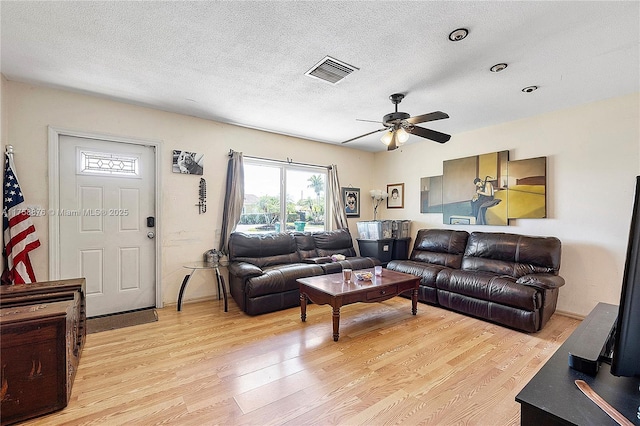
x,y
333,290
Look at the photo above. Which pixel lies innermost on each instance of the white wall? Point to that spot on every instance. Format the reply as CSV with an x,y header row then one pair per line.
x,y
185,234
593,156
592,151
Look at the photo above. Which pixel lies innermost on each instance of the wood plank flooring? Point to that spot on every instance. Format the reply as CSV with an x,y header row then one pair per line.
x,y
203,366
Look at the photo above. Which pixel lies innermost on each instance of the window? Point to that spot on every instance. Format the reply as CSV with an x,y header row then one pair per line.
x,y
90,162
279,197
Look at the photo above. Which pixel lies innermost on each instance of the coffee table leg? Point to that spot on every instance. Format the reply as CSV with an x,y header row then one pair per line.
x,y
414,301
303,307
336,323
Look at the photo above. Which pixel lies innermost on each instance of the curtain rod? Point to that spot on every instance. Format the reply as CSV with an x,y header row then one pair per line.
x,y
288,161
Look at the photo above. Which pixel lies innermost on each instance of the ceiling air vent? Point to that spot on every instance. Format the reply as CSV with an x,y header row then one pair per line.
x,y
330,70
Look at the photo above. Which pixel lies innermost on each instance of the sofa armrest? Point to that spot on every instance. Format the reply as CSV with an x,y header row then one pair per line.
x,y
244,270
317,260
542,281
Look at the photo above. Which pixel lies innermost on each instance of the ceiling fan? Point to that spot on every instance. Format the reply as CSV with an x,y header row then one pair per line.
x,y
398,126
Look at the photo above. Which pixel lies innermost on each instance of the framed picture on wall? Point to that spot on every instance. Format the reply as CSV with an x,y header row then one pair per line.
x,y
396,196
190,163
351,198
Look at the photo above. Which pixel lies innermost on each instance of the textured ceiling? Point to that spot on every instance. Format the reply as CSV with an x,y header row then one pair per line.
x,y
243,62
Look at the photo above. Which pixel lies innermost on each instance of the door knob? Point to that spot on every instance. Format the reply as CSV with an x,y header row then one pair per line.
x,y
151,234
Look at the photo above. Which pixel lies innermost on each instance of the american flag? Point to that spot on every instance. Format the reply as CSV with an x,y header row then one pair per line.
x,y
19,233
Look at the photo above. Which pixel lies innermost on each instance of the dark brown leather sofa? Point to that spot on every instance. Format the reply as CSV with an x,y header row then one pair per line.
x,y
263,268
505,278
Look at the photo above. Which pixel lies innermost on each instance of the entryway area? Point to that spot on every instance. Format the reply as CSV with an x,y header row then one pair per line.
x,y
102,219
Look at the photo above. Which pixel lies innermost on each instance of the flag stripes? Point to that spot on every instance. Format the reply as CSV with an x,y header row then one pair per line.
x,y
19,233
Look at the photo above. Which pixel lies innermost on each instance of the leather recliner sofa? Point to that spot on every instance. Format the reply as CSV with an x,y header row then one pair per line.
x,y
505,278
263,268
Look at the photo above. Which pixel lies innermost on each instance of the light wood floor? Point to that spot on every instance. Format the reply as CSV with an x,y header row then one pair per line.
x,y
202,366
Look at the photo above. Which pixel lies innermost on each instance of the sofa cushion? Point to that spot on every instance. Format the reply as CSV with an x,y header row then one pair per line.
x,y
264,249
317,260
306,245
440,247
332,267
501,289
511,254
525,320
281,278
356,263
244,270
334,242
542,281
426,271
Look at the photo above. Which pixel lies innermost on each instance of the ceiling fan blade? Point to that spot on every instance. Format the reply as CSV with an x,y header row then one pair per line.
x,y
366,134
437,115
430,134
369,121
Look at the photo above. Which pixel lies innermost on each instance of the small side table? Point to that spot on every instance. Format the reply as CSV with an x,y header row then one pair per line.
x,y
203,265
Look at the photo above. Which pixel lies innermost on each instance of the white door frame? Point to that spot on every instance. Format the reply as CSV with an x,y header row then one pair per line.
x,y
54,201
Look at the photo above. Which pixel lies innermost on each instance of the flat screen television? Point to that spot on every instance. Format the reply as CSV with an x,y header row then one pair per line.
x,y
625,359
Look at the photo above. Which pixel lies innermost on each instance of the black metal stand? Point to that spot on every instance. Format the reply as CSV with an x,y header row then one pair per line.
x,y
220,281
185,281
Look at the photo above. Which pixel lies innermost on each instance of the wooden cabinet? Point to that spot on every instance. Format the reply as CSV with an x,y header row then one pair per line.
x,y
42,330
552,397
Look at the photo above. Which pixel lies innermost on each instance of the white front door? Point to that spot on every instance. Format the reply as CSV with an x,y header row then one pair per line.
x,y
106,215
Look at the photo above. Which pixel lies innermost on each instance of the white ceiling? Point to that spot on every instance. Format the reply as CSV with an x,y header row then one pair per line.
x,y
244,62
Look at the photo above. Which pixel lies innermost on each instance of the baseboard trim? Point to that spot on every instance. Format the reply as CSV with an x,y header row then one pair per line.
x,y
570,315
193,300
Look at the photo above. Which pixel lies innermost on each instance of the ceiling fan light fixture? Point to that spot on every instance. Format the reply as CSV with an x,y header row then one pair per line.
x,y
458,34
401,136
387,137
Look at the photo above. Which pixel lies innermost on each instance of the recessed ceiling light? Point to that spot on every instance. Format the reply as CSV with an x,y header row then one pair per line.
x,y
498,67
530,89
459,34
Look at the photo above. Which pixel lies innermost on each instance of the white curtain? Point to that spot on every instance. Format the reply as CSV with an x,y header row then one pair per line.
x,y
337,203
233,199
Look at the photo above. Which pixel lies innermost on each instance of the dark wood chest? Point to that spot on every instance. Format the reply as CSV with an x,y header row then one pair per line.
x,y
42,333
